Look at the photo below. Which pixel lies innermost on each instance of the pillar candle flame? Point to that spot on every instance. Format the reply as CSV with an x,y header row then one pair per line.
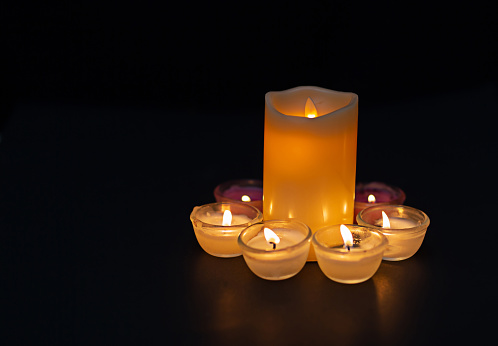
x,y
371,199
227,218
310,109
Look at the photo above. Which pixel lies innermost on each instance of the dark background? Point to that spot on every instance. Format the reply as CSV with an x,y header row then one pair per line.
x,y
225,57
115,120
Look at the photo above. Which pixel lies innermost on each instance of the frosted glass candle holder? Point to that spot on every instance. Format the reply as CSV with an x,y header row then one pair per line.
x,y
407,231
215,238
284,260
349,266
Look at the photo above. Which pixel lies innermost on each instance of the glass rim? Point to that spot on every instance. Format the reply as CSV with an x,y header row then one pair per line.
x,y
340,251
193,216
422,227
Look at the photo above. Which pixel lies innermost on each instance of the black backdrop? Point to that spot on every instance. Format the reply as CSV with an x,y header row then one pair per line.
x,y
115,116
213,56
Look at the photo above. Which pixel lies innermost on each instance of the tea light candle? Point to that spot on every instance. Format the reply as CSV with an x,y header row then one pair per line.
x,y
374,193
280,254
405,231
345,263
241,190
218,225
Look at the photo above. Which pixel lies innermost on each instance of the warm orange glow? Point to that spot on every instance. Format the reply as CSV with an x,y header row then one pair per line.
x,y
371,199
245,198
270,236
310,164
385,221
347,236
310,109
227,218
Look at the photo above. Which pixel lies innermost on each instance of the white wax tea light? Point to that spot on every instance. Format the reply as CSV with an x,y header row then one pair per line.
x,y
276,249
396,222
400,223
225,218
218,225
404,227
283,237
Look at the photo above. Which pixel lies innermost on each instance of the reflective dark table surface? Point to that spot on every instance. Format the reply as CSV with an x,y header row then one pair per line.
x,y
97,246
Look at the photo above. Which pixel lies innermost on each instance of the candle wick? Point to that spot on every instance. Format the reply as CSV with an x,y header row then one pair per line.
x,y
347,247
274,245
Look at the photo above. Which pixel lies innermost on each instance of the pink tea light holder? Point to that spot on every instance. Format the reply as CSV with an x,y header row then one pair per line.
x,y
249,191
375,193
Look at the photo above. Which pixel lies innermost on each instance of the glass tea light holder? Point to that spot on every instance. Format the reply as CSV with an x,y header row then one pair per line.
x,y
249,191
375,193
349,254
218,225
275,249
404,227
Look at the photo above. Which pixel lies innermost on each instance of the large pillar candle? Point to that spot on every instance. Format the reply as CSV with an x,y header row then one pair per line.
x,y
310,159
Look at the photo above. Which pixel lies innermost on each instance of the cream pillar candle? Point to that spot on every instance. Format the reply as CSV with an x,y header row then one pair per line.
x,y
310,156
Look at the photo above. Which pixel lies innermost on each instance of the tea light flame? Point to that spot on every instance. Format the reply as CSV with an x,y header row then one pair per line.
x,y
385,221
371,199
227,218
310,109
347,236
245,198
271,237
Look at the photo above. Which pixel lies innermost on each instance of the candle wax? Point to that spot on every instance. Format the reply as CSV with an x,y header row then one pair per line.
x,y
216,218
399,223
287,237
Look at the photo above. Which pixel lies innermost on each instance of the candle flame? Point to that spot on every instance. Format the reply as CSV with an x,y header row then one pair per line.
x,y
347,236
310,109
245,198
371,199
385,221
227,218
270,236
